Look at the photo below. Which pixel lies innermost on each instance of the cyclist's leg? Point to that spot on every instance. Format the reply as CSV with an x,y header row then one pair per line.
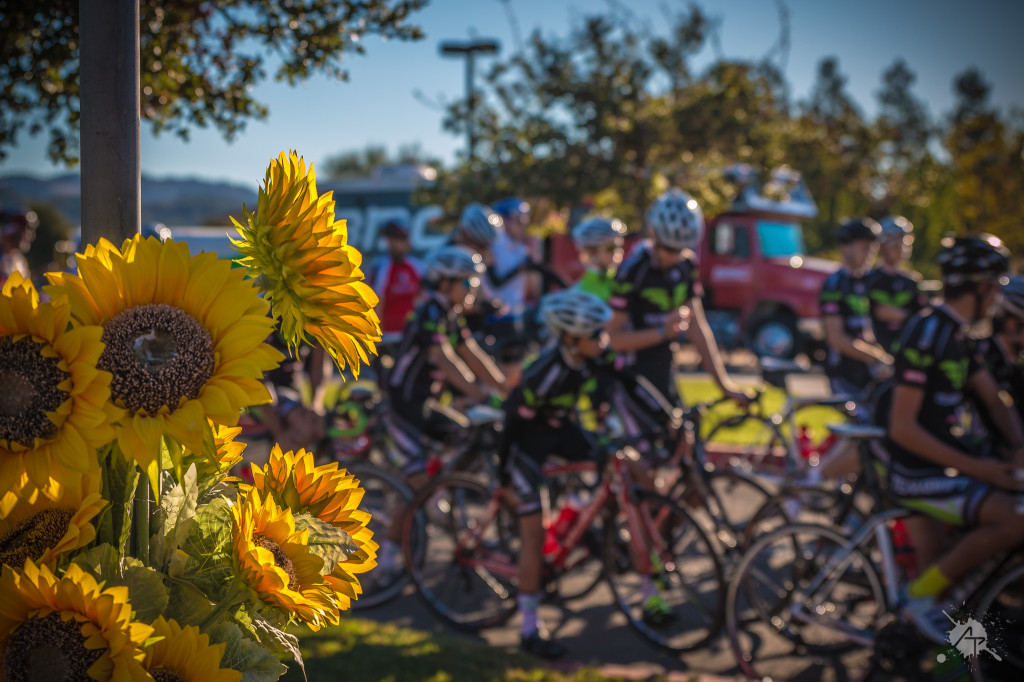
x,y
998,528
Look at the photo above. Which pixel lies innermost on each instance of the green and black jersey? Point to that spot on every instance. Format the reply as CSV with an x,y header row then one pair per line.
x,y
899,289
647,294
936,355
845,295
434,322
598,283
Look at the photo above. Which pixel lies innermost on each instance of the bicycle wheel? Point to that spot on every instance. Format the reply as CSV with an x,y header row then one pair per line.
x,y
687,574
734,499
813,504
385,497
781,628
1001,611
470,544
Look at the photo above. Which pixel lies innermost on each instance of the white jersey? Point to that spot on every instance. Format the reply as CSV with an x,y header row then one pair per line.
x,y
508,255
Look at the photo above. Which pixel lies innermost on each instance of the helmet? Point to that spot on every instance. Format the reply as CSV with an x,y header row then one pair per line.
x,y
676,220
858,229
453,262
575,312
973,258
598,231
511,206
1013,297
895,227
480,224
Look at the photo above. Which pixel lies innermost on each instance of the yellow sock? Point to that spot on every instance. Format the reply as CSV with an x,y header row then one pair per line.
x,y
931,583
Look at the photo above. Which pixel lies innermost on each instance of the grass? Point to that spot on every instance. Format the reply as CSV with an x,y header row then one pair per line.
x,y
359,650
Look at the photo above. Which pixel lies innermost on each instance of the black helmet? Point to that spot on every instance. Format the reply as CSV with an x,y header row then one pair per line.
x,y
858,229
973,258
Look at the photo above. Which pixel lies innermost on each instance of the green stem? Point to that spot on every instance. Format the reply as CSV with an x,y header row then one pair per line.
x,y
142,518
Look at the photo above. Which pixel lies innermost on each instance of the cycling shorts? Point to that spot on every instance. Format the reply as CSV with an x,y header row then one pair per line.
x,y
409,434
953,499
525,449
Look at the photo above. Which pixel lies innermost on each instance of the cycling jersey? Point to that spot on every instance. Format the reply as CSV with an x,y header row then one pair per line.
x,y
893,288
935,355
598,283
1009,376
434,322
647,294
847,296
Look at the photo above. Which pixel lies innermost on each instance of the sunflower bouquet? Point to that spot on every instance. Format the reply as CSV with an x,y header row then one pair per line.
x,y
127,550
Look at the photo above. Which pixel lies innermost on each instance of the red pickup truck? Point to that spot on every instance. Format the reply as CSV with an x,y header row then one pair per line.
x,y
761,288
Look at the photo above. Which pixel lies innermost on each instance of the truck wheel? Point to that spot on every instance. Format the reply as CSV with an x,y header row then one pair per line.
x,y
775,337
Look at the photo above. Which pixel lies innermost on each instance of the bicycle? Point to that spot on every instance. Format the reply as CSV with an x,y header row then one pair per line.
x,y
831,597
468,575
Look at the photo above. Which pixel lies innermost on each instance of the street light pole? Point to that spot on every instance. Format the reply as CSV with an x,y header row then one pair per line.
x,y
468,51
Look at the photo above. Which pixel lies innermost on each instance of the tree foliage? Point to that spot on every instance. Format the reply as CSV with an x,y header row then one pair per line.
x,y
615,111
200,59
363,162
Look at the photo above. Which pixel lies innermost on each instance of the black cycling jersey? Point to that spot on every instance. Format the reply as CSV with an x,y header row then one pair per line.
x,y
648,294
847,296
414,378
1007,371
551,389
899,289
936,355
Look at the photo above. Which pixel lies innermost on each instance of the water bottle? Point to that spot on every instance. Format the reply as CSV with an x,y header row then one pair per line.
x,y
557,530
804,441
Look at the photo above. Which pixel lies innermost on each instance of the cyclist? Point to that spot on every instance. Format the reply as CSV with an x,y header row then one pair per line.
x,y
541,418
930,423
893,290
437,350
512,276
1003,351
656,296
599,242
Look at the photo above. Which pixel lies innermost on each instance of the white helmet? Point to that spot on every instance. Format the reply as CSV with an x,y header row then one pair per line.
x,y
579,313
598,232
453,262
480,224
676,220
1013,297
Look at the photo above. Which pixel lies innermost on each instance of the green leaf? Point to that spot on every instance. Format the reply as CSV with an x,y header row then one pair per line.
x,y
280,641
245,655
174,518
123,478
100,561
186,603
208,546
149,595
325,541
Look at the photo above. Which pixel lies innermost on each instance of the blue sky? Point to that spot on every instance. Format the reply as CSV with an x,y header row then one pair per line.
x,y
938,38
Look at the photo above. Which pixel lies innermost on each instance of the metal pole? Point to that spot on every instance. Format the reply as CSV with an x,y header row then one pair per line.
x,y
470,104
111,160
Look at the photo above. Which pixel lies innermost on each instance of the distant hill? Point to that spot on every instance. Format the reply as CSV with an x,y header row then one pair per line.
x,y
173,202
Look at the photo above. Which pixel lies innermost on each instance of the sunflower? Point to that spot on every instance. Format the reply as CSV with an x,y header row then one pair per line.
x,y
54,403
333,496
299,255
32,526
185,655
184,340
227,452
66,628
274,560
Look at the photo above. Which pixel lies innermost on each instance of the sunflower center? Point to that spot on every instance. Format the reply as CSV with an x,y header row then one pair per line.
x,y
30,538
162,675
281,559
29,382
157,354
48,649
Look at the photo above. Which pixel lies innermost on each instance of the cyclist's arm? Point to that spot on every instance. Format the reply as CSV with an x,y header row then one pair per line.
x,y
890,313
858,349
906,432
1005,417
704,341
624,340
455,372
481,364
